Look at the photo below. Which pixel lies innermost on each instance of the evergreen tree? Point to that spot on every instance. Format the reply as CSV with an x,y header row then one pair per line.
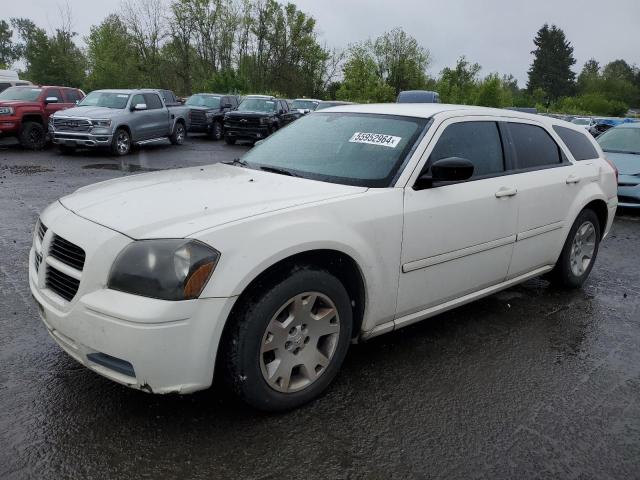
x,y
551,67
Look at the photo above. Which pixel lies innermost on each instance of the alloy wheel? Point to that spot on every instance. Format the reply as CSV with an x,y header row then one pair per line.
x,y
582,248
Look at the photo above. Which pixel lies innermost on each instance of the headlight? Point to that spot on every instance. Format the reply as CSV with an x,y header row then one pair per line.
x,y
6,111
173,269
210,115
264,120
101,123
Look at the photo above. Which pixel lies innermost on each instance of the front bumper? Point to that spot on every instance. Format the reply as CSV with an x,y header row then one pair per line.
x,y
73,139
629,191
9,125
154,345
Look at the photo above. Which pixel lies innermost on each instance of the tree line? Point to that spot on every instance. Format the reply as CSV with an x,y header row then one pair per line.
x,y
263,46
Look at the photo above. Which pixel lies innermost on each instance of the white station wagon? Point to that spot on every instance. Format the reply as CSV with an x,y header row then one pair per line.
x,y
347,224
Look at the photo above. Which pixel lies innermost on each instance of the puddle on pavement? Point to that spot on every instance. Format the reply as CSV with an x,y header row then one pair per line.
x,y
123,167
25,169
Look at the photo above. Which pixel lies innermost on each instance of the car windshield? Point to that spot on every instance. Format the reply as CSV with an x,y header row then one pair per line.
x,y
21,93
257,105
208,101
304,105
621,140
105,99
347,148
580,121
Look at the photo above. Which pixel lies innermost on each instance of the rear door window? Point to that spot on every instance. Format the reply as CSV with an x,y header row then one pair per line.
x,y
71,96
577,142
54,92
153,101
533,146
4,86
478,142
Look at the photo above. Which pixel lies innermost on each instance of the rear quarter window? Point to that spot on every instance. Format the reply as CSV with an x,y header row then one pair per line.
x,y
577,142
533,146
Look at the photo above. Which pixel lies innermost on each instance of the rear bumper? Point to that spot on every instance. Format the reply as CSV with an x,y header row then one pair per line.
x,y
81,139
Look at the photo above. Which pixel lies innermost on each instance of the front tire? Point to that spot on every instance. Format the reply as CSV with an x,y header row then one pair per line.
x,y
33,136
579,252
179,134
216,131
121,143
288,341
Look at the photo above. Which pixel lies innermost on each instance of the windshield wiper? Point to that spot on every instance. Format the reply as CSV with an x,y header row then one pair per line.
x,y
236,161
280,171
621,151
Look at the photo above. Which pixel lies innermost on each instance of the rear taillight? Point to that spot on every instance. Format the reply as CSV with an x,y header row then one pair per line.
x,y
613,165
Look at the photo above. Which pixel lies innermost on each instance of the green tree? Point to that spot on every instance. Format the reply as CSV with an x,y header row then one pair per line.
x,y
361,81
551,67
111,58
9,52
402,62
459,84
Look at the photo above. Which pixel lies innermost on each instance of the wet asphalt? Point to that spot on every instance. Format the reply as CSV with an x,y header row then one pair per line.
x,y
528,383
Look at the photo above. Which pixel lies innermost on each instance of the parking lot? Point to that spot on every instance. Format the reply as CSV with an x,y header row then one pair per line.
x,y
530,383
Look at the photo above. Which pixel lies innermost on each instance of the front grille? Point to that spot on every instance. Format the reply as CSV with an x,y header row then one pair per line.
x,y
61,283
72,124
198,117
243,122
625,199
41,229
67,253
37,260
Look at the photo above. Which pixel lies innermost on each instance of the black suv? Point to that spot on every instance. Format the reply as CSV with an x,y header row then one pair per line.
x,y
257,117
207,111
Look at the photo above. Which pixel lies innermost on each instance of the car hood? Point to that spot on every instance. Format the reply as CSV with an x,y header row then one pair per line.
x,y
88,112
249,114
626,163
18,103
179,203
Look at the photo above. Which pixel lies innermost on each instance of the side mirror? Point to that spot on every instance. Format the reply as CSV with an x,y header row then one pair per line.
x,y
452,169
227,105
139,107
51,100
281,112
77,102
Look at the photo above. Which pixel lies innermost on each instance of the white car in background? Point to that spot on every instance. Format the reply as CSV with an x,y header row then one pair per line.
x,y
586,122
266,269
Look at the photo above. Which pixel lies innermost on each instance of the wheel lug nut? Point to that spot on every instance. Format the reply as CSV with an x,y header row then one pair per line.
x,y
306,340
292,330
287,345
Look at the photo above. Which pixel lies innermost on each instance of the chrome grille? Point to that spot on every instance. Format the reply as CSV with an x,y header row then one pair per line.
x,y
61,283
72,124
37,260
67,253
243,122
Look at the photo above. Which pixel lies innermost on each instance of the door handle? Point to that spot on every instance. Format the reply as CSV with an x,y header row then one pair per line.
x,y
573,179
506,192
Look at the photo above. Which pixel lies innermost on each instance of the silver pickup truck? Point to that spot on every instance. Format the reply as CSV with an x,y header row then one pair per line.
x,y
118,119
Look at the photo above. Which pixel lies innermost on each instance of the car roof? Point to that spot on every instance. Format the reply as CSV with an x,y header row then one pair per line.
x,y
307,100
428,110
628,125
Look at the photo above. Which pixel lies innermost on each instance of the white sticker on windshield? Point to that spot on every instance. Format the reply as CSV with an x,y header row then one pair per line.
x,y
375,139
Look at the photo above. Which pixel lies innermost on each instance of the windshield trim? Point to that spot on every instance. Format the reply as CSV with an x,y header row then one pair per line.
x,y
394,174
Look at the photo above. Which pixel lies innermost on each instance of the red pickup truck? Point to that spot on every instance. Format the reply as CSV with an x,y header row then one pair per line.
x,y
25,111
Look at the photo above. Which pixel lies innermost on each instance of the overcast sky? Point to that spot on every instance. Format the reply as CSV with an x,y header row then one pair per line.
x,y
497,34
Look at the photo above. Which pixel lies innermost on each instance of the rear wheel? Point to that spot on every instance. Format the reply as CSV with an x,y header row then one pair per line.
x,y
229,140
33,136
121,143
287,343
579,252
179,134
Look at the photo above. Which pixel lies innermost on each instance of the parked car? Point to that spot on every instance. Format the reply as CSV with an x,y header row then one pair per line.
x,y
257,117
331,103
207,112
118,119
9,78
25,111
170,98
586,122
303,106
267,268
418,96
621,145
